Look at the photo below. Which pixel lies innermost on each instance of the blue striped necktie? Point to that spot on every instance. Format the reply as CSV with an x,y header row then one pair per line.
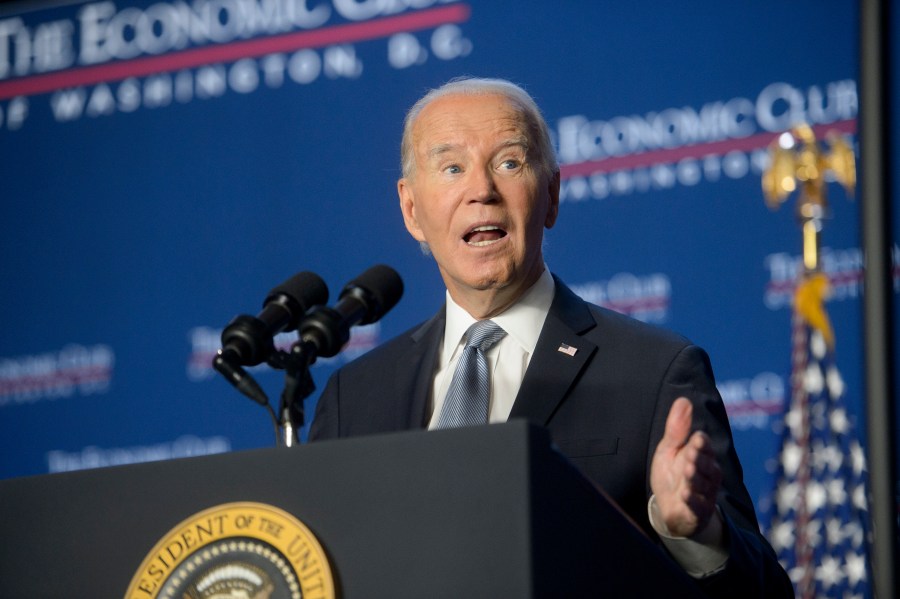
x,y
470,390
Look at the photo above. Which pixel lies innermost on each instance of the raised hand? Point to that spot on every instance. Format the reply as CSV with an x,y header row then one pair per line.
x,y
684,474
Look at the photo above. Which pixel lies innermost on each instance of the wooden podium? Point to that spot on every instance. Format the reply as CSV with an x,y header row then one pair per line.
x,y
490,511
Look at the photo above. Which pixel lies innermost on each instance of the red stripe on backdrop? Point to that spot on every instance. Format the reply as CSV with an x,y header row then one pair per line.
x,y
140,67
669,156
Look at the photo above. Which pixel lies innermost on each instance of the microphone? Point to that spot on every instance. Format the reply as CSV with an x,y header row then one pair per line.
x,y
363,300
248,340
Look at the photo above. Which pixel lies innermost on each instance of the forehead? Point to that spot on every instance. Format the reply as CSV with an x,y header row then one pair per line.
x,y
462,120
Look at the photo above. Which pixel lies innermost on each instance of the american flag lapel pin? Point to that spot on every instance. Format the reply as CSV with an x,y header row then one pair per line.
x,y
567,349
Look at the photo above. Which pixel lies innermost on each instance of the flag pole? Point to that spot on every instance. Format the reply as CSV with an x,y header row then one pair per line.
x,y
818,518
876,223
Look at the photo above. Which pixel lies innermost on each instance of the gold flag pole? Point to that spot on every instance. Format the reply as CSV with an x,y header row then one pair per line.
x,y
798,161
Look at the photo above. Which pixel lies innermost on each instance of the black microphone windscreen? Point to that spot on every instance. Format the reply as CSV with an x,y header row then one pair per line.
x,y
385,287
304,289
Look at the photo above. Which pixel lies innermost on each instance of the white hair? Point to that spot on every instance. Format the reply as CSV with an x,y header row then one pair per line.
x,y
538,132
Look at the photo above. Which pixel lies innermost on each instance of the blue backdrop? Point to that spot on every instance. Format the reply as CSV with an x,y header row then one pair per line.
x,y
164,164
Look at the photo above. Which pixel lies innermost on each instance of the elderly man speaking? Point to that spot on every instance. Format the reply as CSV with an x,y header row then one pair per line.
x,y
480,184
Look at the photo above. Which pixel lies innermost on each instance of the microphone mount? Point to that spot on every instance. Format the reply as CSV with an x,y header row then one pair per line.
x,y
322,331
325,330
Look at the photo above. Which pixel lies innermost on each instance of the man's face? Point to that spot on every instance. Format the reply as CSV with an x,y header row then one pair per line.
x,y
478,196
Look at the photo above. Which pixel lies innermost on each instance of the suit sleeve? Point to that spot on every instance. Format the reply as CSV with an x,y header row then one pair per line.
x,y
326,423
752,569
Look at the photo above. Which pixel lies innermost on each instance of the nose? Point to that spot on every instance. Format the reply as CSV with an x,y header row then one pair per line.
x,y
482,187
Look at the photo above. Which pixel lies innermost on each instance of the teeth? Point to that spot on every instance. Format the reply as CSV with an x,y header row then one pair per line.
x,y
481,229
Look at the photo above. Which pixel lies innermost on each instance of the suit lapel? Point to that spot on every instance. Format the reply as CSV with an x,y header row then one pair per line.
x,y
420,363
551,372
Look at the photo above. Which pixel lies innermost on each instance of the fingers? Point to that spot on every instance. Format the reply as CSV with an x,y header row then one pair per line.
x,y
701,472
697,472
678,424
685,475
698,488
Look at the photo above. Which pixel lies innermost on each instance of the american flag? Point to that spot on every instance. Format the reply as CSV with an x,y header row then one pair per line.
x,y
567,349
818,514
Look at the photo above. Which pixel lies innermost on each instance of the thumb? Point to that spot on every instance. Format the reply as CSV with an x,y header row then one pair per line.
x,y
678,424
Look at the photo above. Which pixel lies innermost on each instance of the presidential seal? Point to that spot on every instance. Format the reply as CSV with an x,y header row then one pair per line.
x,y
236,550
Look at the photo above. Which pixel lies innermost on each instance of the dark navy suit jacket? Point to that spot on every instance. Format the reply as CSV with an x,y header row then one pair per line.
x,y
605,407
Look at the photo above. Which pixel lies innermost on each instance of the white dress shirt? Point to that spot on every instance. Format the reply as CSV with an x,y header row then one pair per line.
x,y
507,359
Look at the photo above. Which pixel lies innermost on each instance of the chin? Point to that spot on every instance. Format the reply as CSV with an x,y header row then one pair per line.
x,y
494,279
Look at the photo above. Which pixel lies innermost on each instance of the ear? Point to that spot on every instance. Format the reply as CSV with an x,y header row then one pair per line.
x,y
553,208
408,208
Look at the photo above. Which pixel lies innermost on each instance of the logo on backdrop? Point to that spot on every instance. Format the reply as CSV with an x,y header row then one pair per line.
x,y
236,550
73,370
206,341
108,59
750,402
843,267
99,457
724,139
644,297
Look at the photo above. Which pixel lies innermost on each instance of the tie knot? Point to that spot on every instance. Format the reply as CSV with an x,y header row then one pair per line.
x,y
484,334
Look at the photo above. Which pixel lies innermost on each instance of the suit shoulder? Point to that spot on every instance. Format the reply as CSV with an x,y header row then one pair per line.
x,y
604,324
624,328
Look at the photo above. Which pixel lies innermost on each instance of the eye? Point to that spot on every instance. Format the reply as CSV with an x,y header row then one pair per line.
x,y
510,164
452,169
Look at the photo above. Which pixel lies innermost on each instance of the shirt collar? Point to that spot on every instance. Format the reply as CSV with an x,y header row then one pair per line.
x,y
522,321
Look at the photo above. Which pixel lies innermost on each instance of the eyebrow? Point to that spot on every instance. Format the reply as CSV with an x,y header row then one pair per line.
x,y
439,149
517,141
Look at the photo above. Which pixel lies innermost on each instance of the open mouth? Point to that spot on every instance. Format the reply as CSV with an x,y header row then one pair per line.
x,y
484,235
